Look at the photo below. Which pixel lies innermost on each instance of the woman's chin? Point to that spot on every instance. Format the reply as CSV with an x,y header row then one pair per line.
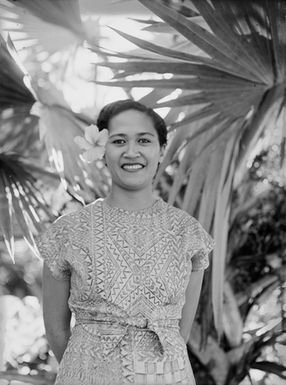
x,y
133,181
135,184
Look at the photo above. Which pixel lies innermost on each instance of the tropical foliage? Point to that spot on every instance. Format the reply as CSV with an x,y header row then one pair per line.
x,y
219,68
23,99
231,90
255,272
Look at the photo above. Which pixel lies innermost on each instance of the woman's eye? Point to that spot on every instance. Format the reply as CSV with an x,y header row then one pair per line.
x,y
118,141
144,140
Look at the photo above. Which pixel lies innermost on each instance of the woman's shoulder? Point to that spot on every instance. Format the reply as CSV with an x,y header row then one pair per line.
x,y
192,232
180,216
186,225
77,217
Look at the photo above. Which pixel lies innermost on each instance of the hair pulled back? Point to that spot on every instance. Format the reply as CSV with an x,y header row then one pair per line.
x,y
115,108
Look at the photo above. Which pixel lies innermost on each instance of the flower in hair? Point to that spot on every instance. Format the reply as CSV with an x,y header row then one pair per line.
x,y
93,143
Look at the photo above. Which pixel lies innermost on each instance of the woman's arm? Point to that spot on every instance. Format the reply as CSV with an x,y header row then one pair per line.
x,y
191,304
57,315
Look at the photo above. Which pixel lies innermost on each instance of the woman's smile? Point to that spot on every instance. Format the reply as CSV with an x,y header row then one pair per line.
x,y
132,167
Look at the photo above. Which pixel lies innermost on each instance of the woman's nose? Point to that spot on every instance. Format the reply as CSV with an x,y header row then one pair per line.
x,y
131,150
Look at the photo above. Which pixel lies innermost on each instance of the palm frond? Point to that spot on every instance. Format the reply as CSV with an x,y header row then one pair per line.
x,y
42,26
232,90
22,203
19,137
19,129
19,132
13,92
208,42
154,26
271,367
64,13
59,126
159,50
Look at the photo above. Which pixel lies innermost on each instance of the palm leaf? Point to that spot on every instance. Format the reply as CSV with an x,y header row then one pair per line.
x,y
153,96
158,50
232,320
271,367
155,26
232,88
42,26
221,27
177,67
208,196
221,231
59,127
206,41
19,136
186,10
13,92
19,132
64,13
181,171
213,357
176,144
6,214
20,200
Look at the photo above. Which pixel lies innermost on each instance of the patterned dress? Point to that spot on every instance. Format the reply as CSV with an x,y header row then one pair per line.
x,y
129,271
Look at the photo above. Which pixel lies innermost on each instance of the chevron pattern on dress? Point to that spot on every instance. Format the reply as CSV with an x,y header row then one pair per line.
x,y
126,265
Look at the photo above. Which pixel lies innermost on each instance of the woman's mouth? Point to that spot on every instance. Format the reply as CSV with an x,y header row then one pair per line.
x,y
132,167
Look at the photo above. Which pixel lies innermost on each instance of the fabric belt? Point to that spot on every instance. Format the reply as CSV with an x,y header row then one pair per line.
x,y
160,327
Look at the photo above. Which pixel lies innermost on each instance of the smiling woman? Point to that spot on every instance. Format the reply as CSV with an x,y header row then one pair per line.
x,y
137,139
129,267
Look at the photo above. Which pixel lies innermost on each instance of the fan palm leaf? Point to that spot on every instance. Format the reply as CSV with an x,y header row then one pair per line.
x,y
21,202
64,13
58,127
232,89
42,26
19,196
13,92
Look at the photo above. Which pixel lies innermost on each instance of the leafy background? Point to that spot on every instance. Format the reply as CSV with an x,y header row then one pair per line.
x,y
216,71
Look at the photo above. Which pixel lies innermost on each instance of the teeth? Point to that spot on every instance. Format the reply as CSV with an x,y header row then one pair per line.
x,y
132,166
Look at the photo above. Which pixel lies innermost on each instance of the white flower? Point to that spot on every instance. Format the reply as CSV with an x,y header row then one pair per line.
x,y
93,142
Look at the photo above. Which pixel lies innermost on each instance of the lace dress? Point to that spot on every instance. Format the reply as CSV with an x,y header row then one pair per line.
x,y
129,271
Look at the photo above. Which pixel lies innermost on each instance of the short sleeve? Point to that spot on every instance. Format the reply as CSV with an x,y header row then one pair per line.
x,y
53,247
200,244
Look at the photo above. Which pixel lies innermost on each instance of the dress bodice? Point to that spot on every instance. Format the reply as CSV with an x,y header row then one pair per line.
x,y
133,263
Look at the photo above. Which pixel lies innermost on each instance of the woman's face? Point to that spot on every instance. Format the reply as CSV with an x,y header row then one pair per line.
x,y
133,150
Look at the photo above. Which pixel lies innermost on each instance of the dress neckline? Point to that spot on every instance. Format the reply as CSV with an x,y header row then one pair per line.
x,y
148,211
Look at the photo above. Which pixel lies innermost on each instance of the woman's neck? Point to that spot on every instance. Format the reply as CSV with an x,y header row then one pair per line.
x,y
130,200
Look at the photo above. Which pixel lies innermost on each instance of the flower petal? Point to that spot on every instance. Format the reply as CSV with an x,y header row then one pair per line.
x,y
82,143
100,151
93,154
102,137
91,133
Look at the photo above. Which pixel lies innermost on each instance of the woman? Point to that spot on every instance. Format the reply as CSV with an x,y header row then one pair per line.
x,y
129,267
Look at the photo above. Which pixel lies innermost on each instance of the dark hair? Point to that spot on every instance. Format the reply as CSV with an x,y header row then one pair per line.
x,y
115,108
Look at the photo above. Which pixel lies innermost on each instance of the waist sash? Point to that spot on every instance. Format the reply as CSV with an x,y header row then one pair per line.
x,y
161,327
